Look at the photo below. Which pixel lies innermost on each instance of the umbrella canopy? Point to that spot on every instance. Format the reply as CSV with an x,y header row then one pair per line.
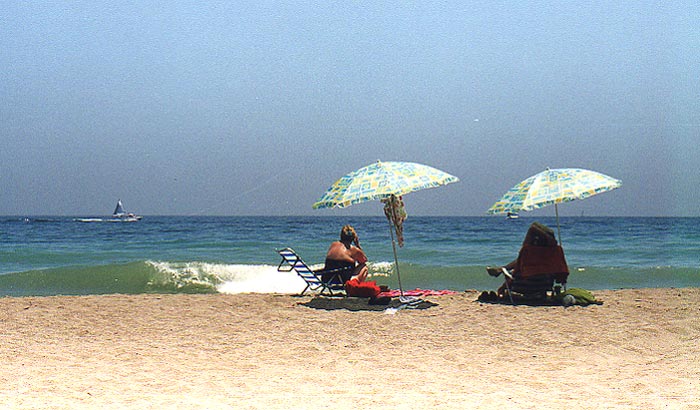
x,y
381,180
385,181
553,186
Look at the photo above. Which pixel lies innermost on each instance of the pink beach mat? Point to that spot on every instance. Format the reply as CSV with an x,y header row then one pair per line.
x,y
416,292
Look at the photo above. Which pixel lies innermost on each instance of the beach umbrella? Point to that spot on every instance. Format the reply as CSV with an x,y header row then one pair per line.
x,y
553,186
386,182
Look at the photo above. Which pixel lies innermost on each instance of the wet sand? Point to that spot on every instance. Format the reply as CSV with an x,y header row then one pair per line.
x,y
639,349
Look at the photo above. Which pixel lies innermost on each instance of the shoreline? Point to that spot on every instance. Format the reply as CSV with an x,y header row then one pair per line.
x,y
637,350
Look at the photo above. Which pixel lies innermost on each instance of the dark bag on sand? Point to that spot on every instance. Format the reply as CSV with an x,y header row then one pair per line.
x,y
358,289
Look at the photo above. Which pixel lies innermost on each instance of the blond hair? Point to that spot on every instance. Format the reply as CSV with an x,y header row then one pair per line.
x,y
348,234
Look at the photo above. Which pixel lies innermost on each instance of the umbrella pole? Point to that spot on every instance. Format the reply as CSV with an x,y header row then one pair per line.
x,y
556,210
396,259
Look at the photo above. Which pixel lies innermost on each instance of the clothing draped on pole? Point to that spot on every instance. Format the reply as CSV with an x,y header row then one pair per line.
x,y
396,214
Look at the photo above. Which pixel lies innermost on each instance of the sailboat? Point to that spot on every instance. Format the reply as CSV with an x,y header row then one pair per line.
x,y
121,215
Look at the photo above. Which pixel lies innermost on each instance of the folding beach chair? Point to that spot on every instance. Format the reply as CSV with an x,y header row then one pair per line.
x,y
292,261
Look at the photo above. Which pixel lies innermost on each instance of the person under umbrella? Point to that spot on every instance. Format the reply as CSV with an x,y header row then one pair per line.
x,y
384,181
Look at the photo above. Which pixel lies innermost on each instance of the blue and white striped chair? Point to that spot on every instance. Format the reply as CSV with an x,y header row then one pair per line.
x,y
292,261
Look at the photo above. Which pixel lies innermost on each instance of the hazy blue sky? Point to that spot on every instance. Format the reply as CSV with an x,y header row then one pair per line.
x,y
256,107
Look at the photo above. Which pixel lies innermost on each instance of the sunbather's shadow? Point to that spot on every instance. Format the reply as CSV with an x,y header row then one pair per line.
x,y
359,304
493,298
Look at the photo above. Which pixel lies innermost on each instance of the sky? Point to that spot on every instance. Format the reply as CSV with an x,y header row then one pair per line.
x,y
257,107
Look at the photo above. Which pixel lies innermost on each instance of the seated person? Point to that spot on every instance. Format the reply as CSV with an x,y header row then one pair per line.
x,y
540,257
346,253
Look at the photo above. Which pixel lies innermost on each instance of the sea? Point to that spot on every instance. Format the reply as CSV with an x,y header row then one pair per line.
x,y
46,255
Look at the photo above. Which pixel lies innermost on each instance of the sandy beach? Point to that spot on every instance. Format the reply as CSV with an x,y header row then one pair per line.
x,y
638,350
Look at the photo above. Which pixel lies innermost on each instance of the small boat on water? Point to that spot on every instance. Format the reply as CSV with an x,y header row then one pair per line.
x,y
119,215
512,215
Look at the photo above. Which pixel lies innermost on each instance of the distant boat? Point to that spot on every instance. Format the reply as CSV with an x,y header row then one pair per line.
x,y
123,216
119,215
511,215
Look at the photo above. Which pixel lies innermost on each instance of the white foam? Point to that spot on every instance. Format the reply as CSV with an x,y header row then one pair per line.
x,y
230,278
259,279
184,274
383,269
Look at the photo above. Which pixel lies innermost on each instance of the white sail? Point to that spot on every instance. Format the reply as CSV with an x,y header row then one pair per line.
x,y
119,210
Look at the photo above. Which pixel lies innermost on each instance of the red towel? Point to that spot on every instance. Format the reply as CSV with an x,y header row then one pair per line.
x,y
539,260
358,289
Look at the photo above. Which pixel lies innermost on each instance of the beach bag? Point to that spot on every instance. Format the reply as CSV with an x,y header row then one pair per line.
x,y
355,288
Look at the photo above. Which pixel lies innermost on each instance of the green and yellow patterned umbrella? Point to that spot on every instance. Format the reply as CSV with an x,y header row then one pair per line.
x,y
553,186
381,180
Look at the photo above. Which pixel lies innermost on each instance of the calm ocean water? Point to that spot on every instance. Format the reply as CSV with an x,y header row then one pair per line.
x,y
59,255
